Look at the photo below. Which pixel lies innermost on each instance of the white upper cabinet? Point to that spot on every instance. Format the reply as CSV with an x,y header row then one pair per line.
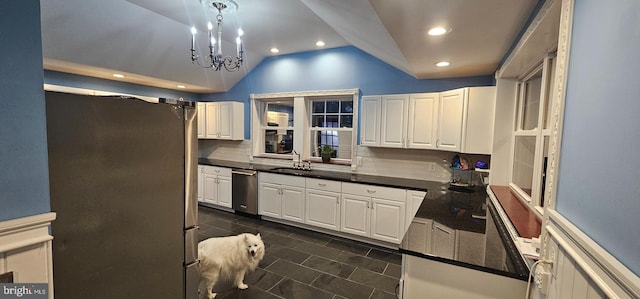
x,y
422,131
450,122
221,120
477,133
393,125
459,120
370,126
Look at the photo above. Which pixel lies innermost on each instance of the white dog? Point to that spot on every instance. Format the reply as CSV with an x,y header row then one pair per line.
x,y
228,259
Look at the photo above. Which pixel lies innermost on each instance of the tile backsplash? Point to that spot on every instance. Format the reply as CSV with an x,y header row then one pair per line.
x,y
405,163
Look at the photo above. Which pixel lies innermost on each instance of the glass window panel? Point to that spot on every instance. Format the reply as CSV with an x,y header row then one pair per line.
x,y
545,153
531,101
318,107
346,106
317,120
346,121
332,121
278,141
339,141
333,106
524,155
279,114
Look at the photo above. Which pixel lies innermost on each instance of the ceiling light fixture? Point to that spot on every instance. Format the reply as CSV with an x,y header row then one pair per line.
x,y
435,31
442,64
320,43
274,50
118,75
216,60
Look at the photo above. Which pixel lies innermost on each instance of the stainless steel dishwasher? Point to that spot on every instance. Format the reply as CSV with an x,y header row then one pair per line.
x,y
244,191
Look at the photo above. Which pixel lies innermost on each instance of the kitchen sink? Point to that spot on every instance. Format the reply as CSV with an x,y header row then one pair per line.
x,y
291,170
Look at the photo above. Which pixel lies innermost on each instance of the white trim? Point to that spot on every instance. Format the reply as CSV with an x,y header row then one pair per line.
x,y
611,276
318,93
19,224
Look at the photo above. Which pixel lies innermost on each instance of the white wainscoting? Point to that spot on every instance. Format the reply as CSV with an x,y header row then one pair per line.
x,y
583,269
25,249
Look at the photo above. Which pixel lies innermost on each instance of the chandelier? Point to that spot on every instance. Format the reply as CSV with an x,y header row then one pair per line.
x,y
216,60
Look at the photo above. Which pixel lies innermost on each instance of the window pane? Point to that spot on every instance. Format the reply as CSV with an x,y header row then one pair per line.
x,y
525,147
317,120
532,101
346,106
545,153
278,141
318,107
346,121
339,141
333,106
280,114
332,121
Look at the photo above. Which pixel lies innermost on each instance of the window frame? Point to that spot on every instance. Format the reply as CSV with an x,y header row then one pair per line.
x,y
301,123
541,131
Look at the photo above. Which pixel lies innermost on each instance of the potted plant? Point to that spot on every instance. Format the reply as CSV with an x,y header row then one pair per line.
x,y
326,153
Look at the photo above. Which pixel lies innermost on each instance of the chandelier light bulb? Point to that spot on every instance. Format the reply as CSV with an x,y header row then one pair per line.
x,y
209,26
193,30
240,32
213,40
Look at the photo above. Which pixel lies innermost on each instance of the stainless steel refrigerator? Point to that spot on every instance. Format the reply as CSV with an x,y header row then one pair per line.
x,y
123,184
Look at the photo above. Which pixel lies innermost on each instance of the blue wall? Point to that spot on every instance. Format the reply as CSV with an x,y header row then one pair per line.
x,y
24,176
337,68
78,81
599,175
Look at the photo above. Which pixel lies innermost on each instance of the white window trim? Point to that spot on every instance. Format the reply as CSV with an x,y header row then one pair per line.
x,y
301,120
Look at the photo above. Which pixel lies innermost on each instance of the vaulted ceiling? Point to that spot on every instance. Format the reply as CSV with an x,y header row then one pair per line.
x,y
149,40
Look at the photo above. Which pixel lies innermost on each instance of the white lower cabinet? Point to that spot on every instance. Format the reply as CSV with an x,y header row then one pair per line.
x,y
281,196
214,185
373,211
323,203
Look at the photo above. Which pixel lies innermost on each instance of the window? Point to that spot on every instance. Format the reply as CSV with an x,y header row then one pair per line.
x,y
332,126
277,128
304,122
531,134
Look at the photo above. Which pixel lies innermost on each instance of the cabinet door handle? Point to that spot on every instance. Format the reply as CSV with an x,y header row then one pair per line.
x,y
322,185
371,191
338,200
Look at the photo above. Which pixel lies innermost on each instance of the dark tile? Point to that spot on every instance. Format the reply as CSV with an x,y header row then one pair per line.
x,y
212,233
250,293
329,266
348,245
342,287
393,270
276,239
361,261
277,228
287,254
292,289
387,256
262,279
311,236
378,294
379,281
267,260
318,250
338,297
293,271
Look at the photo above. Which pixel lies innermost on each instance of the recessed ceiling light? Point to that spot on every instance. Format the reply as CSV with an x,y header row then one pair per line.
x,y
320,43
442,63
274,50
181,86
118,75
435,31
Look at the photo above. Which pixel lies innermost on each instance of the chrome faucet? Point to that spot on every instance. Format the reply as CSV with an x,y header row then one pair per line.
x,y
299,164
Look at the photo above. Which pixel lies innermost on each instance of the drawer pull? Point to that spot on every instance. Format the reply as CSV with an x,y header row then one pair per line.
x,y
371,191
322,185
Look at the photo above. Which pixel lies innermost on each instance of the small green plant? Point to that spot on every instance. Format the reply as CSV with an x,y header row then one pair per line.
x,y
326,153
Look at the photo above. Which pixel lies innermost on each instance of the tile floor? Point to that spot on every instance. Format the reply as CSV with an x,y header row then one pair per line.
x,y
299,263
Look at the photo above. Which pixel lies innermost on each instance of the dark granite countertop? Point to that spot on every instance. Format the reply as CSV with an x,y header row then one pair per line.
x,y
461,226
481,240
410,184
